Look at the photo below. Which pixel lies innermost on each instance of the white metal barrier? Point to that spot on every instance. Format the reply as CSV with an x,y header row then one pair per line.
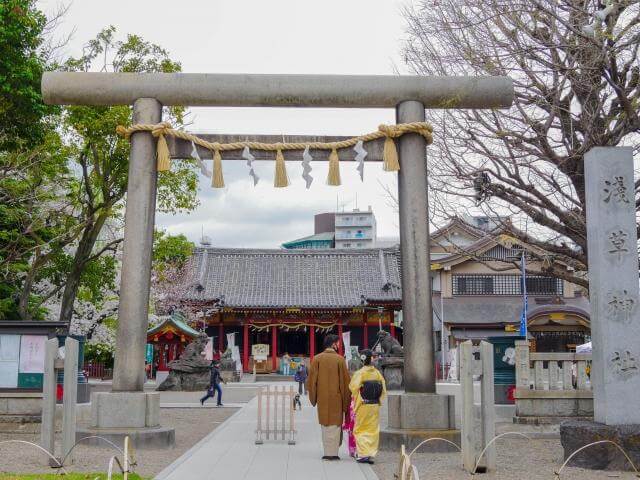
x,y
275,414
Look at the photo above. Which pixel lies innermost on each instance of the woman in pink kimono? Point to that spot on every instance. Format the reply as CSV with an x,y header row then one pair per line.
x,y
348,426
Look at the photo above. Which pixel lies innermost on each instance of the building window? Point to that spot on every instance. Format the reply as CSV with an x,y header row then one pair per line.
x,y
360,218
505,285
358,244
346,245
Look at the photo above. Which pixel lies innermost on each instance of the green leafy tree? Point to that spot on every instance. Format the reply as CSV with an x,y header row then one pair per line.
x,y
21,66
102,158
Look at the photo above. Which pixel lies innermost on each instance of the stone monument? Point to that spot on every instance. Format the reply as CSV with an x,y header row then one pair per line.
x,y
615,324
191,372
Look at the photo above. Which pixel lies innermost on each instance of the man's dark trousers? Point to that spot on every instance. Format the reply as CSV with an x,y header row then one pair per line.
x,y
211,393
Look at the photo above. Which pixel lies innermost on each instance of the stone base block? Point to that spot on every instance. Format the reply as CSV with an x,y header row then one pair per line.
x,y
392,439
141,438
575,434
422,411
129,410
546,420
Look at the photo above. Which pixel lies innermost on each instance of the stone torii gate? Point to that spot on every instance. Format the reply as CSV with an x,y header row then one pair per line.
x,y
127,408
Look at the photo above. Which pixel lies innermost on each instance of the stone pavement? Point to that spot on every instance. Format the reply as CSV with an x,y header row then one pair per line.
x,y
230,452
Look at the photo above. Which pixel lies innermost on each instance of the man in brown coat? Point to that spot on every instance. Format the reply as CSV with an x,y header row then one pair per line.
x,y
328,388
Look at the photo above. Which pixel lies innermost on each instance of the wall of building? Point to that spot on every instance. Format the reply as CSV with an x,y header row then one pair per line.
x,y
355,229
324,223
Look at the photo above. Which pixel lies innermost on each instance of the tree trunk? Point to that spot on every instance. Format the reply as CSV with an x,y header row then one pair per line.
x,y
82,255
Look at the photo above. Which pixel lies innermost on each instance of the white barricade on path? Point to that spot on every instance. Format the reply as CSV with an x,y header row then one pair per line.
x,y
275,414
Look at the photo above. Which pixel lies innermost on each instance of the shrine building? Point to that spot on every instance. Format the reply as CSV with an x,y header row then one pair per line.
x,y
290,299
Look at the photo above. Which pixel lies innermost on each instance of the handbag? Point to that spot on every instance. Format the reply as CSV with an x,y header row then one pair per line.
x,y
371,391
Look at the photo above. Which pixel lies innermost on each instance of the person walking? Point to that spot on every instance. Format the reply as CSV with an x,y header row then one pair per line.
x,y
328,388
368,389
301,378
286,364
214,384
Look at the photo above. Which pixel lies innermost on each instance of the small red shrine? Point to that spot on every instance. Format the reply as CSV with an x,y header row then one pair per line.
x,y
169,338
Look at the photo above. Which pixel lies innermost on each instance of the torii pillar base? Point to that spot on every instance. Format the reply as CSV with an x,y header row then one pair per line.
x,y
116,415
415,417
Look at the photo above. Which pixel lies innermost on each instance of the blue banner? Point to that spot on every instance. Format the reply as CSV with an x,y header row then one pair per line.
x,y
523,315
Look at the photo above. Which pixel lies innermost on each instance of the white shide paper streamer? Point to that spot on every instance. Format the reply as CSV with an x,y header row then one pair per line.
x,y
203,167
361,153
246,154
306,166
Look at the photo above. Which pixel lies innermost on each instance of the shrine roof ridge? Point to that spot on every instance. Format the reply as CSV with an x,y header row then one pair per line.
x,y
315,278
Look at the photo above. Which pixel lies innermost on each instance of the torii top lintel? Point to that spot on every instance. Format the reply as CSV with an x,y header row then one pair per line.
x,y
261,90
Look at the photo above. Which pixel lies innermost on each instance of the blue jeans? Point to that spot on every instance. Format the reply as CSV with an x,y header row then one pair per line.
x,y
211,393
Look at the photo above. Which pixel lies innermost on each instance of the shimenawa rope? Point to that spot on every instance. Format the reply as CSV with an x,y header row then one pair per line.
x,y
388,132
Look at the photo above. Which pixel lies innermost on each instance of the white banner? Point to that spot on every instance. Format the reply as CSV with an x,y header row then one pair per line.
x,y
32,353
231,340
9,355
208,349
235,355
346,341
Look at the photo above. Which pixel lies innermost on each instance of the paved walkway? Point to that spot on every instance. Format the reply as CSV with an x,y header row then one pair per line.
x,y
230,452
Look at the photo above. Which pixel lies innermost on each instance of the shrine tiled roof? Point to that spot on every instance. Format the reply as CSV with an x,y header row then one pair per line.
x,y
332,278
176,323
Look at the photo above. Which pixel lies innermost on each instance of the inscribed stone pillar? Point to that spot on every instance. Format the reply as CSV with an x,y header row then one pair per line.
x,y
613,284
419,373
128,374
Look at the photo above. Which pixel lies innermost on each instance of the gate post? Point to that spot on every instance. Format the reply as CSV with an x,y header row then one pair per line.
x,y
414,246
128,407
128,372
418,413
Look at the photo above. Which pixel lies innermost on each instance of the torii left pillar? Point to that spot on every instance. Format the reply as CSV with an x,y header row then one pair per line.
x,y
128,406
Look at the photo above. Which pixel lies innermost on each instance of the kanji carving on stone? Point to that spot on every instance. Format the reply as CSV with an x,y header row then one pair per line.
x,y
620,306
624,363
618,240
616,189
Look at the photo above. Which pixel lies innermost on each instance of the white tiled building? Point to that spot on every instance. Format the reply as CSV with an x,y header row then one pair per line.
x,y
355,229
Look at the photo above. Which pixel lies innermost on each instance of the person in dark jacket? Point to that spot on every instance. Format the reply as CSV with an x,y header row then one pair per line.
x,y
214,385
301,378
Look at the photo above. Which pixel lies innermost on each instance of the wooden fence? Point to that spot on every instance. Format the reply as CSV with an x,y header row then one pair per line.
x,y
276,419
97,370
552,384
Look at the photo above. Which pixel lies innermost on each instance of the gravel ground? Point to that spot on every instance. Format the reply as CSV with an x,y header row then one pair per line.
x,y
190,424
518,459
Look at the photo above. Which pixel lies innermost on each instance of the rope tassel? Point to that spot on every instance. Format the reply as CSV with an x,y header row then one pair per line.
x,y
217,179
333,178
162,151
281,179
390,161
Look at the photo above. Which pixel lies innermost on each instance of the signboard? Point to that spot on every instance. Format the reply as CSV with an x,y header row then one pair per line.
x,y
32,353
149,353
260,351
30,380
9,356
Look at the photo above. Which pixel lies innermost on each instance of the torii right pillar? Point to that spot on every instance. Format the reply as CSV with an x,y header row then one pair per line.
x,y
417,413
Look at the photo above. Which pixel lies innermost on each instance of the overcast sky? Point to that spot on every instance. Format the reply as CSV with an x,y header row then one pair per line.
x,y
258,36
